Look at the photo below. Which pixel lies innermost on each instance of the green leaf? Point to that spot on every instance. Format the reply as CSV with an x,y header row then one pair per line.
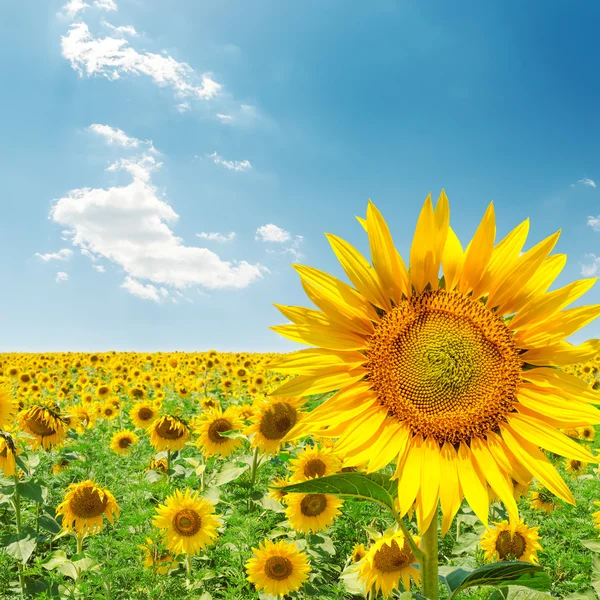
x,y
32,490
20,546
68,569
49,524
498,575
229,474
596,574
54,560
153,476
593,545
374,487
518,593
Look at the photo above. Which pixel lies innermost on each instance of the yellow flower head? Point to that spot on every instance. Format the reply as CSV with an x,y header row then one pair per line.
x,y
312,512
188,521
277,568
209,428
8,406
358,553
157,558
275,493
143,414
456,372
388,562
596,517
83,507
314,462
45,424
168,433
122,441
544,500
575,467
511,541
587,433
8,453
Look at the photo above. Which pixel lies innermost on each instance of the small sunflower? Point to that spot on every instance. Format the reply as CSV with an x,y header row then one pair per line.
x,y
169,433
276,493
575,467
143,414
107,410
83,507
157,465
272,422
387,562
7,455
122,441
157,558
314,462
210,426
312,512
45,424
514,541
596,516
544,500
358,553
84,417
587,433
189,522
277,568
8,406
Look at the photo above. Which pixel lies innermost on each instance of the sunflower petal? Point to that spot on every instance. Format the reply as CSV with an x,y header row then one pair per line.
x,y
422,251
472,483
325,337
561,354
452,260
309,385
410,478
312,361
430,483
450,493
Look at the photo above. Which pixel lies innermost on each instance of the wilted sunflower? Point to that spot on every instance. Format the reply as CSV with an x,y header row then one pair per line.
x,y
387,562
7,455
210,426
272,421
142,414
122,441
157,558
543,500
312,512
8,406
45,425
455,373
169,433
157,465
314,462
188,521
514,541
83,507
277,568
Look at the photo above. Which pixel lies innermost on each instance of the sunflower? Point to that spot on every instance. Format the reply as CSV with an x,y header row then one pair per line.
x,y
358,553
157,558
456,373
7,455
314,462
107,410
543,500
159,464
210,426
312,512
169,433
45,424
387,562
189,522
596,516
575,467
272,421
514,541
8,406
84,417
83,507
275,492
277,568
587,433
142,414
122,441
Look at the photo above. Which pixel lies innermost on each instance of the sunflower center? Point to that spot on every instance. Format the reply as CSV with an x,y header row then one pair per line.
x,y
87,503
508,545
278,568
215,429
392,558
313,505
187,522
315,467
145,414
39,427
168,430
125,442
575,464
444,364
278,420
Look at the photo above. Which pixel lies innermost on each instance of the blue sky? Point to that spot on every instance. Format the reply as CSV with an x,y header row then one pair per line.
x,y
129,127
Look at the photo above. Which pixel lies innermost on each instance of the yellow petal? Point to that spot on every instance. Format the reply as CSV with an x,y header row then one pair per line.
x,y
430,484
389,265
363,222
312,361
452,260
506,459
442,225
325,337
309,385
562,353
563,414
357,434
472,483
423,249
564,382
392,442
450,493
303,316
410,478
479,252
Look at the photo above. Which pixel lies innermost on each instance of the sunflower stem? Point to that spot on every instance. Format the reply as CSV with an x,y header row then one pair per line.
x,y
17,505
79,537
188,567
254,468
429,562
168,464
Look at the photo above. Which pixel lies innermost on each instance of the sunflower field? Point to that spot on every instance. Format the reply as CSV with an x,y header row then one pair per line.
x,y
435,440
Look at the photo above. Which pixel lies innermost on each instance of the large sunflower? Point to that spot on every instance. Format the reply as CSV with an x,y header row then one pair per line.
x,y
8,406
45,425
456,373
188,521
277,568
511,541
211,425
83,507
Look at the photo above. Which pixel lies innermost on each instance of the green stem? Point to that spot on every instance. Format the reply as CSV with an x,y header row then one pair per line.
x,y
79,538
429,562
168,464
419,554
17,505
254,468
203,463
188,567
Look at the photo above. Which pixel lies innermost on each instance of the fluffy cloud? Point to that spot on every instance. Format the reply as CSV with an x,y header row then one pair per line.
x,y
72,7
122,29
224,118
106,4
594,223
64,254
272,233
216,237
119,137
593,268
113,57
62,276
232,165
145,291
99,268
131,226
587,181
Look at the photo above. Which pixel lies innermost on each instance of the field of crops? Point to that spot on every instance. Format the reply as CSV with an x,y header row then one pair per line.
x,y
149,476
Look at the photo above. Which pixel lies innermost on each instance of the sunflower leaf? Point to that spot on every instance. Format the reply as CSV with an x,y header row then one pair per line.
x,y
498,575
374,487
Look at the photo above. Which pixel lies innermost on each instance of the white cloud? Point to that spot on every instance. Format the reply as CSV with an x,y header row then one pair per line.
x,y
216,237
587,182
72,7
62,276
64,254
99,268
113,57
232,165
592,268
119,137
106,4
594,223
272,233
121,29
144,291
129,225
183,107
224,118
294,248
